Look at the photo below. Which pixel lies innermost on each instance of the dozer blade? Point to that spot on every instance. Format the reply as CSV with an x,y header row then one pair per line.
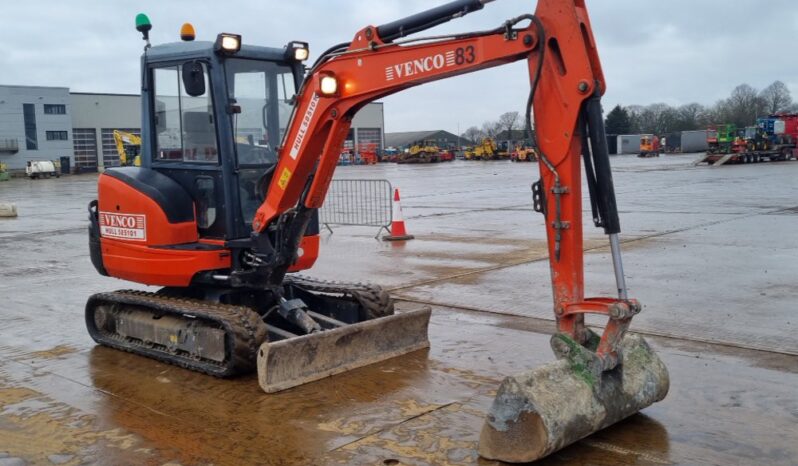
x,y
539,412
294,361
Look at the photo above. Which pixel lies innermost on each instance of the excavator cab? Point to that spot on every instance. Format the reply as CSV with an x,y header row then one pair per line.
x,y
213,118
213,115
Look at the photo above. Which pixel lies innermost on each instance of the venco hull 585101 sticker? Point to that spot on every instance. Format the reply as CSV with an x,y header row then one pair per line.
x,y
123,226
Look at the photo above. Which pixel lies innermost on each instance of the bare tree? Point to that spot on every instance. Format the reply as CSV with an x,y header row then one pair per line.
x,y
777,97
473,134
509,121
743,106
491,128
635,112
667,120
714,114
690,116
655,118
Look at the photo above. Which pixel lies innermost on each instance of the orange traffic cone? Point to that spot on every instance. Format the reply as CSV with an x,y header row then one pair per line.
x,y
398,231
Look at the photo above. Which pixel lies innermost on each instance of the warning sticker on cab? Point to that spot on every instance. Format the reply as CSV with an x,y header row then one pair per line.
x,y
284,177
123,226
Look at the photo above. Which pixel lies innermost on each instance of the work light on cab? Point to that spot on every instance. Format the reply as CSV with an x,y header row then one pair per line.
x,y
227,43
297,50
328,84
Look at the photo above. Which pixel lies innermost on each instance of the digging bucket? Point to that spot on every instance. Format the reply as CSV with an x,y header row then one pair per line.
x,y
538,412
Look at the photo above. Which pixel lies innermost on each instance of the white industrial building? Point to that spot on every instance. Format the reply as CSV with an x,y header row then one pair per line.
x,y
50,123
35,124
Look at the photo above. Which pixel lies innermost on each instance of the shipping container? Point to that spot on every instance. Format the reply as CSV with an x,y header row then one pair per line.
x,y
694,141
629,144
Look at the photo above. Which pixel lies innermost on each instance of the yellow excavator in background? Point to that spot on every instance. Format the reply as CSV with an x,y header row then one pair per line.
x,y
423,152
486,150
123,137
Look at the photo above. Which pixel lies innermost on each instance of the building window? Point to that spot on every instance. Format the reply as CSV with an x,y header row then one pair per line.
x,y
84,142
54,109
29,115
57,135
110,154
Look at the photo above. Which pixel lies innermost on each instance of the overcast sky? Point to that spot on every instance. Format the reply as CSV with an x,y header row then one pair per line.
x,y
675,51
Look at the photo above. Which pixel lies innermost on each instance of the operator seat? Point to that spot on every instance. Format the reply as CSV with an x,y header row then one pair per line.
x,y
199,136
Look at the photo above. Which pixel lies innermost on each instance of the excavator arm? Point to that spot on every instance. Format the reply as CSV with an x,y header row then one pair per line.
x,y
565,74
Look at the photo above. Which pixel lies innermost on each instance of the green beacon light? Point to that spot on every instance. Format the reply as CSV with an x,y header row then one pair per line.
x,y
143,26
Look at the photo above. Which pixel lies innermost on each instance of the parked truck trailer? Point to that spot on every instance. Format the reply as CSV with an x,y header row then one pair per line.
x,y
775,138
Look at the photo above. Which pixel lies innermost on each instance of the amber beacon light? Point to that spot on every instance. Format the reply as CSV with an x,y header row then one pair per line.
x,y
187,32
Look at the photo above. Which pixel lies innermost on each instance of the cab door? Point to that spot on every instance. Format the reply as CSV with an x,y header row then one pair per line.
x,y
185,139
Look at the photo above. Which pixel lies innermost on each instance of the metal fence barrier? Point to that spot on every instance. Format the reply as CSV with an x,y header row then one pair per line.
x,y
358,202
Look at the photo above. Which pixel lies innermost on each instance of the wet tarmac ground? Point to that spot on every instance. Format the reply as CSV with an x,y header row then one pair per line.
x,y
711,253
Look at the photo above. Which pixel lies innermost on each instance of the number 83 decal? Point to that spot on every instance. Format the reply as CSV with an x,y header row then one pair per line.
x,y
464,55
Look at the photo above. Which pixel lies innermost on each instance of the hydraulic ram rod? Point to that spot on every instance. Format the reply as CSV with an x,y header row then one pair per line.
x,y
601,186
429,18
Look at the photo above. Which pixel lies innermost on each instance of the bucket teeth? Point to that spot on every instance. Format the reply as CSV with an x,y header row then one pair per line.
x,y
541,411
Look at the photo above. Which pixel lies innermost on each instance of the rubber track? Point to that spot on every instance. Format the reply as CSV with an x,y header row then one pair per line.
x,y
375,300
242,323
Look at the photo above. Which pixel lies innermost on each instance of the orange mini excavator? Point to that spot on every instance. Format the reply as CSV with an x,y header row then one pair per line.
x,y
239,144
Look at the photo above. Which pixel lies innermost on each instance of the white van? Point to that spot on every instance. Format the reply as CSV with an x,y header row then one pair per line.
x,y
41,169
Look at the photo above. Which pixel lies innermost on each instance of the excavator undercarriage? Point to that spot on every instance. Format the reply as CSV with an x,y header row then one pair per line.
x,y
225,334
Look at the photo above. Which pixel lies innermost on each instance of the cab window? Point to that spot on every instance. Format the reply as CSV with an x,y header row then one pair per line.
x,y
184,123
263,92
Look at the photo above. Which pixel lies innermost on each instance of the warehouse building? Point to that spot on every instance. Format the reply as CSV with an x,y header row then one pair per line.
x,y
35,124
368,128
50,123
